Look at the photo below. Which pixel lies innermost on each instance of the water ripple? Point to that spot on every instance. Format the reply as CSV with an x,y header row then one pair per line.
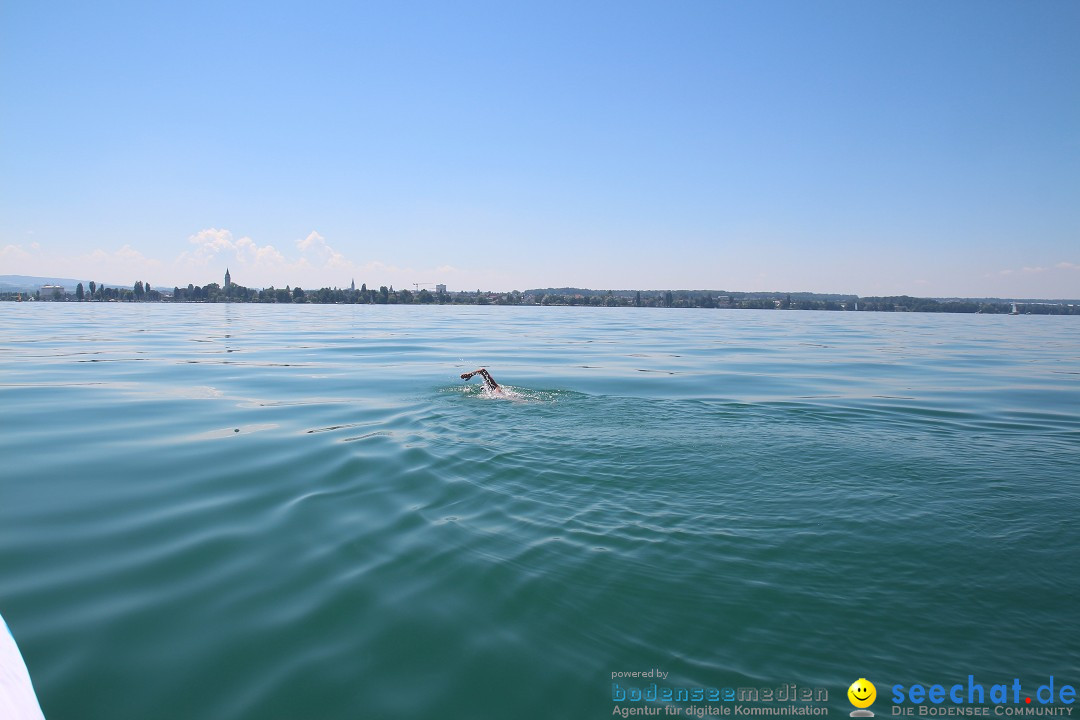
x,y
303,511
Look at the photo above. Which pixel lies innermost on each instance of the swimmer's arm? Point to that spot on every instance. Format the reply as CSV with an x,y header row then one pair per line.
x,y
488,380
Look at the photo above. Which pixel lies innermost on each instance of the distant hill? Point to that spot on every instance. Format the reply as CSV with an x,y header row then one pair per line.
x,y
1052,301
30,283
586,292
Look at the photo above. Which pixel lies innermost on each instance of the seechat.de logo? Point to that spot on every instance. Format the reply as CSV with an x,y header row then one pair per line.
x,y
862,694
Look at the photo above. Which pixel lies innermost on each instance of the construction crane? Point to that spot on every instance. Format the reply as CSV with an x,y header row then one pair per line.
x,y
420,285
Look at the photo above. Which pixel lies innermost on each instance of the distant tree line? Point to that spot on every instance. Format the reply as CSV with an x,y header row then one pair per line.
x,y
324,296
904,303
215,293
140,292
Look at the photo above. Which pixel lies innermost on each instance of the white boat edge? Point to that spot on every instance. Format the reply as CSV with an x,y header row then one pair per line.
x,y
18,701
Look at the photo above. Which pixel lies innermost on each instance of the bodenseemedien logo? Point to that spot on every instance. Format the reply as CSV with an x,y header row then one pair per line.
x,y
862,694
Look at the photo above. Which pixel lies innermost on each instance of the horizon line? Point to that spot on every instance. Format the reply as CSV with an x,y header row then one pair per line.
x,y
564,290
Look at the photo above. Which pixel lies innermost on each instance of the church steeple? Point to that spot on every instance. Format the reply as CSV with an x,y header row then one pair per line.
x,y
228,279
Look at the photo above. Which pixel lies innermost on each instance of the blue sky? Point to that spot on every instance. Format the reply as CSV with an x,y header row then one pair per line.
x,y
924,148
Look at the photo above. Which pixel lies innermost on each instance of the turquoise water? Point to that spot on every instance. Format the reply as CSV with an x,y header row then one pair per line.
x,y
230,511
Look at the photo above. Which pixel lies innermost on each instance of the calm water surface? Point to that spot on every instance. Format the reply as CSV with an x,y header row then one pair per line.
x,y
236,511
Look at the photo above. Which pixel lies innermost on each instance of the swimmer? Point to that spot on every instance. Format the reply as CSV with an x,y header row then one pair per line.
x,y
488,380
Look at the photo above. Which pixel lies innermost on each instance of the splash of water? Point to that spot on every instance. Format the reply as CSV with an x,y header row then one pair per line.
x,y
509,393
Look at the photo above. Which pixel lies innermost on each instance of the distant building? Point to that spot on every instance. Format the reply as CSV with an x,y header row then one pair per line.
x,y
352,285
440,289
228,279
48,292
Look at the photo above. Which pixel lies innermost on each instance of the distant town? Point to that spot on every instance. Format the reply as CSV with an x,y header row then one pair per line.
x,y
16,288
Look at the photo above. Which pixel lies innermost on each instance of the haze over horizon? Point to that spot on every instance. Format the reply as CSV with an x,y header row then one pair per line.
x,y
835,147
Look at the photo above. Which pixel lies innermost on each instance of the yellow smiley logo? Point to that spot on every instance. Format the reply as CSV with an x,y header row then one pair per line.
x,y
862,693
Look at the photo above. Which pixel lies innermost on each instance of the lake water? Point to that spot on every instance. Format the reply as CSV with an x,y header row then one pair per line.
x,y
242,511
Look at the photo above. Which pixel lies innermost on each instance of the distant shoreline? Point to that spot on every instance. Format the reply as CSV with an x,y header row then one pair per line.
x,y
579,297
